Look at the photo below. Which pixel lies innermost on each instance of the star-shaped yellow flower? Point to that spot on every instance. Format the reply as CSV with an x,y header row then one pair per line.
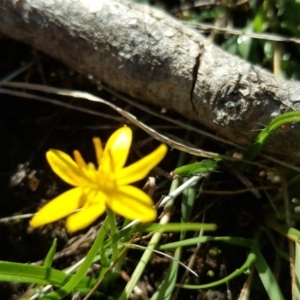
x,y
98,188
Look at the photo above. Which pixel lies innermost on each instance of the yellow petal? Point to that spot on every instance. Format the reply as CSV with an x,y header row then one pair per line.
x,y
116,150
89,177
64,166
58,208
132,203
141,168
94,207
98,149
79,160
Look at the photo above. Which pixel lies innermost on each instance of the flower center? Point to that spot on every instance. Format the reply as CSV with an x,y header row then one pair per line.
x,y
106,181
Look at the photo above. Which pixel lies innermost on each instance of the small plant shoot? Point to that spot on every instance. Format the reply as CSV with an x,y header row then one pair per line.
x,y
289,117
204,166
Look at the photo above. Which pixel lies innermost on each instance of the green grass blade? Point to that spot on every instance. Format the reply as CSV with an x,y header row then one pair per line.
x,y
266,276
250,260
147,253
296,287
166,289
205,239
175,227
17,272
71,285
49,257
187,204
291,233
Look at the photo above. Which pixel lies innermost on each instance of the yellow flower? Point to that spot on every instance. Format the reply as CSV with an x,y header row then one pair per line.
x,y
98,188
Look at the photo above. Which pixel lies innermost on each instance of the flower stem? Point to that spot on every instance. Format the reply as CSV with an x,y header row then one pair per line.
x,y
113,230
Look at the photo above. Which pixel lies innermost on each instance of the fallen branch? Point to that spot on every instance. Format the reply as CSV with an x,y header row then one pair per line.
x,y
150,56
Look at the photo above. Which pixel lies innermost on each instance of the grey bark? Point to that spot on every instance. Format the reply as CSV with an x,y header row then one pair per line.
x,y
150,56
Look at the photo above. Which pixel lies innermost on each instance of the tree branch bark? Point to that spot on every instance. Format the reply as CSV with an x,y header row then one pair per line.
x,y
150,56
